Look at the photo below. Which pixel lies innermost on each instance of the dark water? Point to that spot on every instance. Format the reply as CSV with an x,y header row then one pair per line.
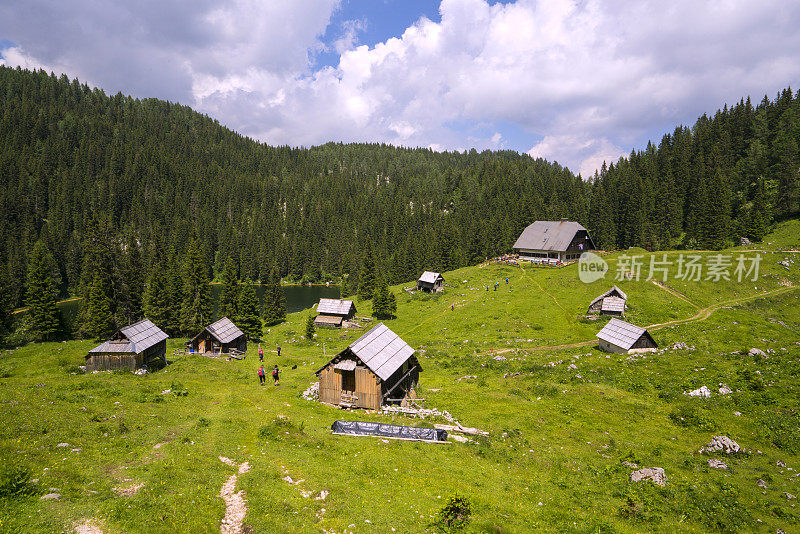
x,y
298,298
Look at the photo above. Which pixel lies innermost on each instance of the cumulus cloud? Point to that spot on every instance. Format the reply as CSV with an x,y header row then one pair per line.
x,y
585,80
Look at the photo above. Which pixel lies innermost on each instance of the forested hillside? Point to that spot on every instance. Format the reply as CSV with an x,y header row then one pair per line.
x,y
109,184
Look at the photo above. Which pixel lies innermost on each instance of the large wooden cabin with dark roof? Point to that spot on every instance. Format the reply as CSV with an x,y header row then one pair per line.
x,y
378,367
553,241
221,337
141,344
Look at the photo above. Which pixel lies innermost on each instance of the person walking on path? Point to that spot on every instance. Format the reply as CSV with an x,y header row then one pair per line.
x,y
279,352
260,354
261,377
275,374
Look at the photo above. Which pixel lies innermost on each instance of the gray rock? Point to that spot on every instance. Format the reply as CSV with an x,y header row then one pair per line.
x,y
761,484
737,414
50,496
788,496
780,463
63,445
724,390
572,367
757,352
700,392
717,464
722,444
499,358
654,474
630,464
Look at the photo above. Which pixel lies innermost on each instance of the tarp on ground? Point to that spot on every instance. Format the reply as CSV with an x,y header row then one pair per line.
x,y
363,428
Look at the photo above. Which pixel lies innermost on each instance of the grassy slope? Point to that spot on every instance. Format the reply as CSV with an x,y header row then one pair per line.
x,y
552,463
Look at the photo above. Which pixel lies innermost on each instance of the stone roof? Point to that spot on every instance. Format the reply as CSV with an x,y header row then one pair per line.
x,y
621,334
548,235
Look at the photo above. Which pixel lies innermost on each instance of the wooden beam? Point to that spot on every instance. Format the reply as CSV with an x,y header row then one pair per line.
x,y
399,381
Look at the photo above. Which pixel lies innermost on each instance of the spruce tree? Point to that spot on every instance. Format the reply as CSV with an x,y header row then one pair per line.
x,y
310,328
248,319
6,307
43,318
229,297
174,292
129,307
274,300
758,216
366,279
196,309
384,302
99,322
158,299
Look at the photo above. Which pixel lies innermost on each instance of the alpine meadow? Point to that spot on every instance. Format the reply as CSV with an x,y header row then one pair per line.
x,y
655,390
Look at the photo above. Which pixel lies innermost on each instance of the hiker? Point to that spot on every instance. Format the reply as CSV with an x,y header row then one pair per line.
x,y
506,280
452,307
275,374
495,285
260,354
261,377
279,352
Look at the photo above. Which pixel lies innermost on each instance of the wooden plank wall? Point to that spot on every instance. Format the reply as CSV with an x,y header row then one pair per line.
x,y
111,362
330,386
368,389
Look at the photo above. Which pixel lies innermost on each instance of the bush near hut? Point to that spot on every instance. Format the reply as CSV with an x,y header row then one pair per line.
x,y
456,512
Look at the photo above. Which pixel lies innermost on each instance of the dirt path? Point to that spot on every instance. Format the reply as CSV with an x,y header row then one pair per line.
x,y
701,315
235,504
706,312
674,292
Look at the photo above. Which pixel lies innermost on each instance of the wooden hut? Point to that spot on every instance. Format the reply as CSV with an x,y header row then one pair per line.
x,y
141,344
620,337
221,337
612,302
332,312
378,367
553,241
430,282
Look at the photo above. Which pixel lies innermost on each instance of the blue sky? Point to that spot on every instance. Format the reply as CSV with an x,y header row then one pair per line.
x,y
574,81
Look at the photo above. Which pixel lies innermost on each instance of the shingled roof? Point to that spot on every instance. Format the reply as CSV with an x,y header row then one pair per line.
x,y
334,306
380,349
622,334
224,330
613,304
548,235
429,277
614,291
133,339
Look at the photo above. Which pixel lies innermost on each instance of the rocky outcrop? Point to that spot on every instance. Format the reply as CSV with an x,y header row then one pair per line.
x,y
722,444
654,474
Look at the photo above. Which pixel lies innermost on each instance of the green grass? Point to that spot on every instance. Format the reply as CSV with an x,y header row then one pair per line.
x,y
553,461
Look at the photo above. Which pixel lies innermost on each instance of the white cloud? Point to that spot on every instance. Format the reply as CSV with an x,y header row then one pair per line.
x,y
589,79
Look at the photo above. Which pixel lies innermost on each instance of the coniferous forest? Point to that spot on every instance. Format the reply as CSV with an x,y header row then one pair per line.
x,y
135,205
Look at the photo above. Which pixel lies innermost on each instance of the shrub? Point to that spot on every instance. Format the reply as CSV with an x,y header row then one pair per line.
x,y
690,416
455,513
280,428
15,481
178,389
203,422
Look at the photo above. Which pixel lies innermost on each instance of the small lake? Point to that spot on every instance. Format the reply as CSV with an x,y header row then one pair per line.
x,y
298,298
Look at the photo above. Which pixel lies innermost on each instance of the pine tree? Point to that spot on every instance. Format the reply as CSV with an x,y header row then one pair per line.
x,y
384,302
310,329
6,307
229,298
43,315
248,319
274,300
158,300
758,215
174,292
366,279
196,309
129,307
99,322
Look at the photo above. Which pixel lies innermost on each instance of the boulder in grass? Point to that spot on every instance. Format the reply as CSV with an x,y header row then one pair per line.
x,y
724,390
717,464
700,392
757,352
654,474
722,444
51,496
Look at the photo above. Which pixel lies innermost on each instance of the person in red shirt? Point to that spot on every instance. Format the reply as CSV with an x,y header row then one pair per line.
x,y
261,376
